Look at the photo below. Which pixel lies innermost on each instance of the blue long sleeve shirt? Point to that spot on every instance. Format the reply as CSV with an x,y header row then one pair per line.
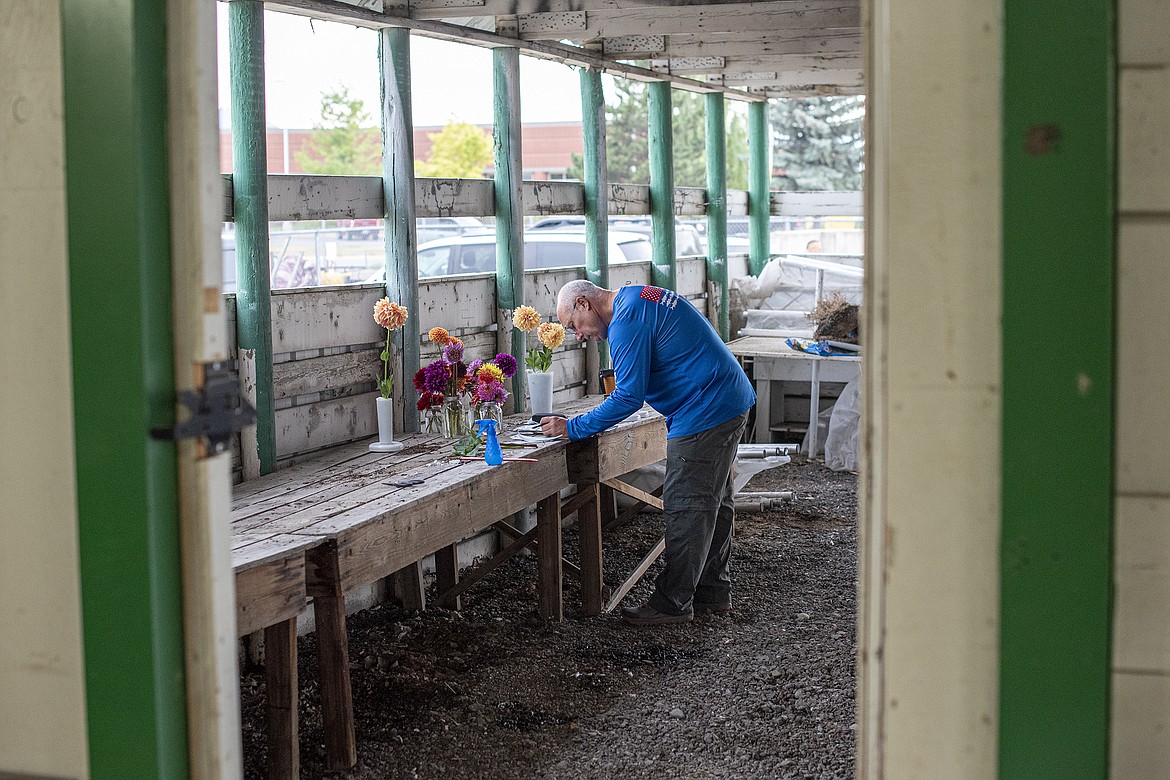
x,y
665,353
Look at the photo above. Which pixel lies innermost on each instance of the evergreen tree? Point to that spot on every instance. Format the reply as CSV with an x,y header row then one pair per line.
x,y
736,155
458,151
627,146
340,144
689,126
627,134
818,143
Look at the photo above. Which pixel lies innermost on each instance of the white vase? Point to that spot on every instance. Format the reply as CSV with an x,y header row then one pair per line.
x,y
540,392
385,442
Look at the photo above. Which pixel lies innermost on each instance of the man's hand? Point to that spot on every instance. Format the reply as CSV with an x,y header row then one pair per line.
x,y
554,426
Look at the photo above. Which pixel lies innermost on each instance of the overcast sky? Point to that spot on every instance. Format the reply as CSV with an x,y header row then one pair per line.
x,y
450,81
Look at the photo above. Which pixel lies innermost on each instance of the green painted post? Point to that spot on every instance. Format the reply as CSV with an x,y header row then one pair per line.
x,y
119,309
398,192
759,181
509,208
1059,211
662,185
596,189
717,209
250,206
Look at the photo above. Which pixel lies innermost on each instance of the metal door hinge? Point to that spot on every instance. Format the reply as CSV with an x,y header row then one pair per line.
x,y
216,410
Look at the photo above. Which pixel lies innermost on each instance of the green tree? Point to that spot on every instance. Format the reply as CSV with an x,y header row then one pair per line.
x,y
818,143
737,151
689,125
458,151
341,142
627,145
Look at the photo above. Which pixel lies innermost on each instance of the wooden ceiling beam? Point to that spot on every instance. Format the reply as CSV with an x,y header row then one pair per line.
x,y
810,90
728,65
340,11
446,9
798,25
585,26
762,81
758,43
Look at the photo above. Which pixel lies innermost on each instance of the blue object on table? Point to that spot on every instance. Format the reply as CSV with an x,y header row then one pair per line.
x,y
822,347
492,454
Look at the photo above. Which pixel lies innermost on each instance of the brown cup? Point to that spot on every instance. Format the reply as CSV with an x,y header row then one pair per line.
x,y
608,382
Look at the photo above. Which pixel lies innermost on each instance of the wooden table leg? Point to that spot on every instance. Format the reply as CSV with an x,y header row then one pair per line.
x,y
408,583
333,658
608,504
589,523
280,676
763,411
548,535
814,409
447,574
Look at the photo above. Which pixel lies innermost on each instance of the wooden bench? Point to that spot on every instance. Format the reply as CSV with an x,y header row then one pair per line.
x,y
350,517
270,594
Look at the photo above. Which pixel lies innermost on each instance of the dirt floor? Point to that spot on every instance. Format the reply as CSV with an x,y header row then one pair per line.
x,y
491,692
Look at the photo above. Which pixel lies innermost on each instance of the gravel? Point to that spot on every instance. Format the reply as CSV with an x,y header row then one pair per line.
x,y
492,692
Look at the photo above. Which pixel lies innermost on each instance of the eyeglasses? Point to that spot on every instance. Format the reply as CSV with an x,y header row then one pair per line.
x,y
569,325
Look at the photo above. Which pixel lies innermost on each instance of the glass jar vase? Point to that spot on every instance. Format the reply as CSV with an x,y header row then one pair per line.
x,y
434,421
455,414
491,410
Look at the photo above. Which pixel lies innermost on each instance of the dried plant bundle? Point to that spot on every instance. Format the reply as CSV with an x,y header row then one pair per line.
x,y
835,319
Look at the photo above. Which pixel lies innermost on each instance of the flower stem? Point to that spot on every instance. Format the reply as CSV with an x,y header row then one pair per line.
x,y
386,365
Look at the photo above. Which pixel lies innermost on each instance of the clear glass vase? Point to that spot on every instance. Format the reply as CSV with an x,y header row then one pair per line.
x,y
434,421
491,410
455,417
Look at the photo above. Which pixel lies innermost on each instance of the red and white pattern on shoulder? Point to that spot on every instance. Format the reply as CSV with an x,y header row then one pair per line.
x,y
667,298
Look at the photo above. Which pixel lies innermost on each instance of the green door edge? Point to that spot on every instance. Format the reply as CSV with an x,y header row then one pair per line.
x,y
1059,227
114,64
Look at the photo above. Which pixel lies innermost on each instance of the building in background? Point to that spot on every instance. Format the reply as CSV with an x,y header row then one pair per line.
x,y
548,148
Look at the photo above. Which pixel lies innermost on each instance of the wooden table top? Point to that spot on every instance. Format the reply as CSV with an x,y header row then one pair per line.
x,y
346,494
775,347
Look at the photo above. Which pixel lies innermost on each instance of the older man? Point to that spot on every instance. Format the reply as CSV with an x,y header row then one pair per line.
x,y
665,353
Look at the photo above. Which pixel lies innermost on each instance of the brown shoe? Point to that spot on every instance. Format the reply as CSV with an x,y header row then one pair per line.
x,y
711,609
646,615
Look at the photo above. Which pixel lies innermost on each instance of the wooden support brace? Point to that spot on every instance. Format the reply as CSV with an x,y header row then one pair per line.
x,y
479,572
585,495
632,580
633,492
630,513
280,677
548,528
447,574
534,545
333,657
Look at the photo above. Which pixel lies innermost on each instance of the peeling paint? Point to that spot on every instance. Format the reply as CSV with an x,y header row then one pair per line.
x,y
1084,384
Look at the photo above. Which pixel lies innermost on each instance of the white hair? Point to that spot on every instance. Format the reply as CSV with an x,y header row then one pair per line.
x,y
578,288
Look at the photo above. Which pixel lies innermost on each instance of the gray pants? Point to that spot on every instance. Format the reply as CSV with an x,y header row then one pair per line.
x,y
700,515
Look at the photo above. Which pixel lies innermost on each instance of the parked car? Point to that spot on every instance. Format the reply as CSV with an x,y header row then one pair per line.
x,y
475,254
687,241
432,228
427,228
359,229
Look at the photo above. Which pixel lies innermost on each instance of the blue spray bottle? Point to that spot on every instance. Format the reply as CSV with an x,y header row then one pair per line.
x,y
492,455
